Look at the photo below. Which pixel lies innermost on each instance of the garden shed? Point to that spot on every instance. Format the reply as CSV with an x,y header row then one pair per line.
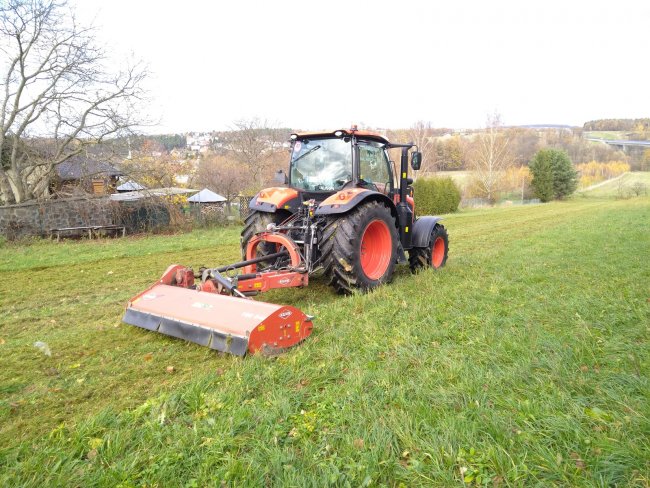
x,y
206,196
207,206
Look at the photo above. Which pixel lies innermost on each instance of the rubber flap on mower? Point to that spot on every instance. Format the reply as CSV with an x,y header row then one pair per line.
x,y
224,323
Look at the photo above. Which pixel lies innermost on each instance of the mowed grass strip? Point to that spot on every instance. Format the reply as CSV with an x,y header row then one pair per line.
x,y
525,361
622,186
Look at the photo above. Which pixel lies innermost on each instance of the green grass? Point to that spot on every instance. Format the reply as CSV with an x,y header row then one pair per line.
x,y
523,362
609,135
620,187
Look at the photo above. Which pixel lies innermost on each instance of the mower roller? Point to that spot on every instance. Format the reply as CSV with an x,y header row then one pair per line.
x,y
343,211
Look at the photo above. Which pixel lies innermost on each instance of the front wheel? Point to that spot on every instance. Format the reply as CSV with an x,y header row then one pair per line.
x,y
435,254
255,223
359,249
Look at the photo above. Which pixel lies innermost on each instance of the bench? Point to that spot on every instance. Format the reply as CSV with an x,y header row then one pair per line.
x,y
91,230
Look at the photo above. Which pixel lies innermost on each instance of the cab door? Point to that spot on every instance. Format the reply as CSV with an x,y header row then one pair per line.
x,y
374,169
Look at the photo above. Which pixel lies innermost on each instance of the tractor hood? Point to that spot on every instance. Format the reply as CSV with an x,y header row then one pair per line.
x,y
274,198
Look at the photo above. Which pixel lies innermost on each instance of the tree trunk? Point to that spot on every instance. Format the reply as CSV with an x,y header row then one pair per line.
x,y
5,189
42,188
17,186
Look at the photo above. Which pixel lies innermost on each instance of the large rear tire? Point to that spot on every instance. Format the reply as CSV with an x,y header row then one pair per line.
x,y
434,255
359,248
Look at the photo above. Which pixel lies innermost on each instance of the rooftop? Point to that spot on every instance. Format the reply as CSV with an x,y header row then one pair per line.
x,y
79,167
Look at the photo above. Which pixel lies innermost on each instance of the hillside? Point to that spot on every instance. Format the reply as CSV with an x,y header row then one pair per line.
x,y
523,362
621,186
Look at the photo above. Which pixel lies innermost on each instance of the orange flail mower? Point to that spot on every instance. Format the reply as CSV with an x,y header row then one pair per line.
x,y
344,211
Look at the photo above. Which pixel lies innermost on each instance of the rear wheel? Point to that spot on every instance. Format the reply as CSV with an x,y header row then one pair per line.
x,y
435,254
360,248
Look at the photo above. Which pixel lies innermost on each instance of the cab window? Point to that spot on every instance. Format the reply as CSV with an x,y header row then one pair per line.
x,y
321,164
373,166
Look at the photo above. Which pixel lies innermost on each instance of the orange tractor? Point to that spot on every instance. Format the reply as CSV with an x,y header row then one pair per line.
x,y
343,210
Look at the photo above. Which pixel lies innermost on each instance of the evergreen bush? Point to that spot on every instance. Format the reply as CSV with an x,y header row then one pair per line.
x,y
436,196
553,175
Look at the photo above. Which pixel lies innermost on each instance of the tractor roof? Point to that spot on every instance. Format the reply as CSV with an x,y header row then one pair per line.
x,y
359,133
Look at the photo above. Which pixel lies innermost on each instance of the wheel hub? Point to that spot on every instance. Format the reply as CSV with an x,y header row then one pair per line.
x,y
375,249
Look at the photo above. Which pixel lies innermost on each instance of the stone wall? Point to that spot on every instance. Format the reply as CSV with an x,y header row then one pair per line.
x,y
38,218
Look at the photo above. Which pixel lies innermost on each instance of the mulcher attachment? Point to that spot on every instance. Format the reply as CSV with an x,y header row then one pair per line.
x,y
218,314
225,323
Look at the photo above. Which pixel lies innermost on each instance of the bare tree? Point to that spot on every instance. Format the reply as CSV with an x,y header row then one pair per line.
x,y
57,95
226,177
253,143
422,134
639,188
490,158
427,138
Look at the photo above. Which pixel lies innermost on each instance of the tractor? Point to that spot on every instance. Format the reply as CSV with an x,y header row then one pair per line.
x,y
343,209
347,207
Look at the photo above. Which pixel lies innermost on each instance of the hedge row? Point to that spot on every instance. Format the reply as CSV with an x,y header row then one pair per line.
x,y
436,196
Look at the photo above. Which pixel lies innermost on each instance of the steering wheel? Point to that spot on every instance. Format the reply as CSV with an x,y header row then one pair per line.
x,y
343,182
368,184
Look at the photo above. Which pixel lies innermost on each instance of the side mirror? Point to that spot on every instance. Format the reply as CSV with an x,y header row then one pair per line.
x,y
280,178
416,160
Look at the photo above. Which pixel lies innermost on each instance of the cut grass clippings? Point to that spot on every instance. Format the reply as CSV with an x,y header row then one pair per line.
x,y
523,362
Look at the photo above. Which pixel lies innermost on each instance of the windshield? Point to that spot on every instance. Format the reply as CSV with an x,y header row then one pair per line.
x,y
321,164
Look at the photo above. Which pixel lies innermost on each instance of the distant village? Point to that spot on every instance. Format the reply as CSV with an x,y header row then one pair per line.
x,y
150,166
228,162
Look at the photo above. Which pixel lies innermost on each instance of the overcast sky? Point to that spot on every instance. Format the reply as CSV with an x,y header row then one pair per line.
x,y
315,65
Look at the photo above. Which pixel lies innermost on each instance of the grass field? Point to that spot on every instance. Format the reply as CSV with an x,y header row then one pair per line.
x,y
523,362
620,186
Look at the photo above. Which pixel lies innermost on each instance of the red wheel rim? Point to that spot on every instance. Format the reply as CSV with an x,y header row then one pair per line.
x,y
376,249
438,252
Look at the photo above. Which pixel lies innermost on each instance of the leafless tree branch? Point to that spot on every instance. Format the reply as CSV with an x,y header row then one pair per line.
x,y
491,157
58,95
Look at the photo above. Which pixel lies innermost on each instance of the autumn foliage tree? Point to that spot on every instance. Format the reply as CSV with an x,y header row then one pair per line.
x,y
223,176
451,153
594,172
159,170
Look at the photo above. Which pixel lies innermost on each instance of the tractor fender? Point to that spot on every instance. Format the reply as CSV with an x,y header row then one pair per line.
x,y
271,199
345,200
422,229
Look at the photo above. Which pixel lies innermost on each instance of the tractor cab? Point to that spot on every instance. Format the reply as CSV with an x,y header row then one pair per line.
x,y
337,171
326,163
